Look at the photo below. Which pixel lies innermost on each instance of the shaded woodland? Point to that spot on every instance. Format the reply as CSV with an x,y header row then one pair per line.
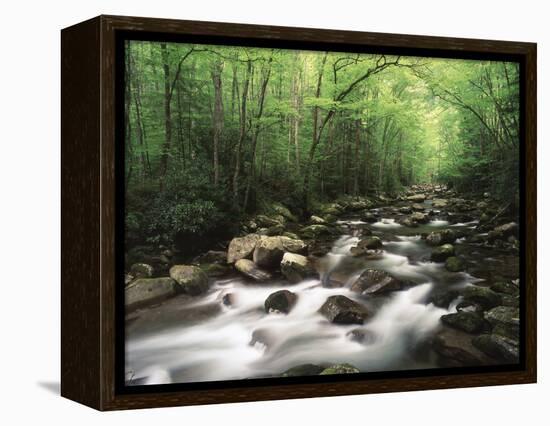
x,y
215,134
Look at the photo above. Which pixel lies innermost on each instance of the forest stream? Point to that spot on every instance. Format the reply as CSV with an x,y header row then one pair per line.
x,y
405,305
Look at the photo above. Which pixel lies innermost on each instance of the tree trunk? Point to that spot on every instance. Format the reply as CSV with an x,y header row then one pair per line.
x,y
217,116
167,117
242,132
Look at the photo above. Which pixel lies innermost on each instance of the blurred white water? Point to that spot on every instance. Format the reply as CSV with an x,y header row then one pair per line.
x,y
243,341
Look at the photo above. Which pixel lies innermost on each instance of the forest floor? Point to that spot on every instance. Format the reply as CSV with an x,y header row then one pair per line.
x,y
429,279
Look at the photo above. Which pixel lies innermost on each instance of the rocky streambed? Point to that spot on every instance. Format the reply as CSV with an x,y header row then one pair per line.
x,y
428,279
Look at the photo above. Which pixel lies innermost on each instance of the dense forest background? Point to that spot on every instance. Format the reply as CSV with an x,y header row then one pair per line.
x,y
216,133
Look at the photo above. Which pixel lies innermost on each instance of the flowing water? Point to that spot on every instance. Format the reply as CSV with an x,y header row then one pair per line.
x,y
242,341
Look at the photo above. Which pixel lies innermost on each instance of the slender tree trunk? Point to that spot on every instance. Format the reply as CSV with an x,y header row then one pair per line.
x,y
252,173
167,117
216,74
242,132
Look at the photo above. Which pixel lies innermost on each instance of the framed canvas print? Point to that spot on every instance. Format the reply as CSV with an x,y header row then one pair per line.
x,y
254,212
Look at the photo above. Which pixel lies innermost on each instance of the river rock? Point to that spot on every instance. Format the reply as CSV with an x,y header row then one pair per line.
x,y
242,247
362,335
419,218
417,207
441,253
468,306
442,298
264,221
370,243
147,291
280,301
128,279
339,369
405,210
505,321
275,230
483,296
342,310
357,205
470,322
303,370
455,349
141,270
293,245
416,198
290,235
505,288
369,217
502,232
374,281
283,211
454,264
438,238
316,220
499,347
296,267
211,256
191,279
251,270
215,269
332,209
262,337
312,232
268,252
439,203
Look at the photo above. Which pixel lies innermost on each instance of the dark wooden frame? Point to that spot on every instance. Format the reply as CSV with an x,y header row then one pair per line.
x,y
88,336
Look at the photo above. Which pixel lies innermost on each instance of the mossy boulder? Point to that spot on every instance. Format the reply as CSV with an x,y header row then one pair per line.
x,y
147,291
483,296
441,253
340,369
470,322
454,264
303,370
505,321
191,279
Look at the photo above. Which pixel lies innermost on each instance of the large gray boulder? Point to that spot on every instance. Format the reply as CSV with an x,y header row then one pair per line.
x,y
280,301
342,310
269,251
374,281
296,267
505,321
242,247
191,279
251,270
147,291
